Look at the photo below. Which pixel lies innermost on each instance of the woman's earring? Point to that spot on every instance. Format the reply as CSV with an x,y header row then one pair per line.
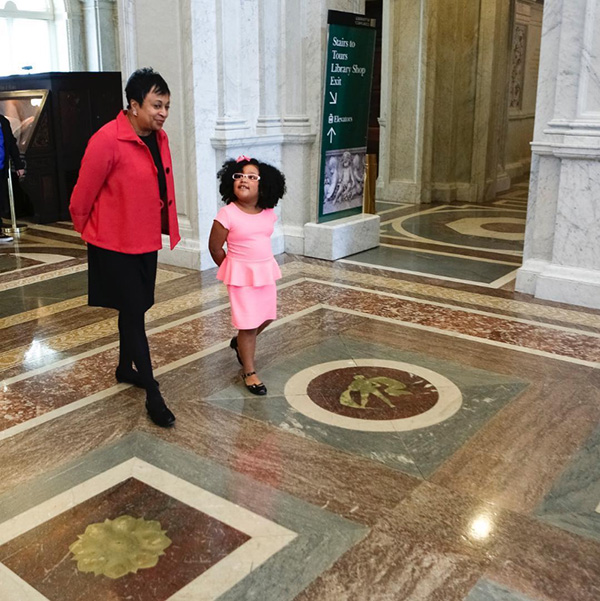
x,y
135,113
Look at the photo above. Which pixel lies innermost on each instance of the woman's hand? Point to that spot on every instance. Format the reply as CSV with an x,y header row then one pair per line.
x,y
216,240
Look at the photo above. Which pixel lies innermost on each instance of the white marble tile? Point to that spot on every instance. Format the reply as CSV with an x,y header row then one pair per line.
x,y
14,588
229,571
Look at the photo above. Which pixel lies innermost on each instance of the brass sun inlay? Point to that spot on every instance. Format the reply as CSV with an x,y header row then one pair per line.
x,y
376,386
118,547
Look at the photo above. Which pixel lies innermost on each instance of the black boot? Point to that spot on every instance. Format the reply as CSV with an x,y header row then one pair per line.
x,y
158,411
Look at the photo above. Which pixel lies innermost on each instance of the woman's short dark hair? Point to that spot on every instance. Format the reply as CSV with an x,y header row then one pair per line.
x,y
141,82
271,186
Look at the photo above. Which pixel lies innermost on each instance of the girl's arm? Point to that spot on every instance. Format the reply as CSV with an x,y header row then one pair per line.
x,y
218,237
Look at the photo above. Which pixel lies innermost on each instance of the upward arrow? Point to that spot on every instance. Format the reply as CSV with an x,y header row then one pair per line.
x,y
331,133
333,98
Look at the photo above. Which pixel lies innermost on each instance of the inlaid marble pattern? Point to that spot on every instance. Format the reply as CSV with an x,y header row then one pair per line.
x,y
216,542
427,433
38,556
398,436
461,242
461,225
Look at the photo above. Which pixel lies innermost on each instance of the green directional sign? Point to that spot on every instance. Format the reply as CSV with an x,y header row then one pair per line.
x,y
348,77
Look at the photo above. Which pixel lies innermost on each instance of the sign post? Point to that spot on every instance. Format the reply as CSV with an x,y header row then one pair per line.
x,y
348,78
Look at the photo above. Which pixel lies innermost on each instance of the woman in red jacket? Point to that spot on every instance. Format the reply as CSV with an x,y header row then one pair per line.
x,y
123,200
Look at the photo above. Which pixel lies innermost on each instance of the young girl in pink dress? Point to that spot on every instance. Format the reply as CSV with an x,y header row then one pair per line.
x,y
250,190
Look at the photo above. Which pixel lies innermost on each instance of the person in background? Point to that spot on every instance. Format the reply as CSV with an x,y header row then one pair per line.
x,y
250,189
8,150
123,200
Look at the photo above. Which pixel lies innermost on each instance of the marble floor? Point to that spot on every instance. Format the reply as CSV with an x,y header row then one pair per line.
x,y
429,434
458,242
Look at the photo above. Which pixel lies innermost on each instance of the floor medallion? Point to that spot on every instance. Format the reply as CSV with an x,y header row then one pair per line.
x,y
373,395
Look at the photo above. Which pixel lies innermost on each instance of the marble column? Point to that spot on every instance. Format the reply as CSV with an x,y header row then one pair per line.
x,y
443,103
127,36
562,255
270,54
488,175
406,85
302,48
237,23
101,35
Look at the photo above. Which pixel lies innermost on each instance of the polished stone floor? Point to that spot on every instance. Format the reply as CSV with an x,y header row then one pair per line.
x,y
429,434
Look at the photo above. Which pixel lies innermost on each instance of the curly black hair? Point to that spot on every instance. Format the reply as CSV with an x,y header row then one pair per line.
x,y
271,186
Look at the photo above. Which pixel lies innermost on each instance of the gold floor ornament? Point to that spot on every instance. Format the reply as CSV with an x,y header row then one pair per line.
x,y
371,386
118,547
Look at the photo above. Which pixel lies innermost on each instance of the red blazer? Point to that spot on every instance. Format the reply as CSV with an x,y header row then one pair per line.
x,y
116,203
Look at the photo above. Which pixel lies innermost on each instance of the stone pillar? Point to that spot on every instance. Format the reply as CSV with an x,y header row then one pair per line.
x,y
562,254
488,175
270,54
407,75
444,89
256,105
101,40
237,24
127,37
302,75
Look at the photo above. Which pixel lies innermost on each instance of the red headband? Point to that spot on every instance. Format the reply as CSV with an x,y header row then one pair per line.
x,y
241,158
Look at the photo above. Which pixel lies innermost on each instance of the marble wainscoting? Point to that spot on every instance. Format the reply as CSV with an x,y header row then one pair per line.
x,y
422,438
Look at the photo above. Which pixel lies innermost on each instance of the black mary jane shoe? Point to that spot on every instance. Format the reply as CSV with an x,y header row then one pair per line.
x,y
234,345
130,377
259,389
160,414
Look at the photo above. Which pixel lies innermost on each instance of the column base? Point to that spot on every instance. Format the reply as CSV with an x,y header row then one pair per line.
x,y
185,254
340,238
570,285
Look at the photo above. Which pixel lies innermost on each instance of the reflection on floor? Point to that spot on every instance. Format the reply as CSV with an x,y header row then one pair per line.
x,y
460,242
423,437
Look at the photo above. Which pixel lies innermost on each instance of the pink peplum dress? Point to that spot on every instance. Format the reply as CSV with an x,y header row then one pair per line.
x,y
249,269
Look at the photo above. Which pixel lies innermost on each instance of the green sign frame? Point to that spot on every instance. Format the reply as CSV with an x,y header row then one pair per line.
x,y
346,103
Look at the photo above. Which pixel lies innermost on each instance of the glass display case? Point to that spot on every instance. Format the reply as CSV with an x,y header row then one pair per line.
x,y
23,110
53,115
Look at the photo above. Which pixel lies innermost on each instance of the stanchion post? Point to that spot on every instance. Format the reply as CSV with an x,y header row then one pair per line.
x,y
16,228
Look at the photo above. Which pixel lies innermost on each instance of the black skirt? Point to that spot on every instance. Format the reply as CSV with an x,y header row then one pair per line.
x,y
121,281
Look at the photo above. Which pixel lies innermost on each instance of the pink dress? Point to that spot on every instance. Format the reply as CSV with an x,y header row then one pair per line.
x,y
249,269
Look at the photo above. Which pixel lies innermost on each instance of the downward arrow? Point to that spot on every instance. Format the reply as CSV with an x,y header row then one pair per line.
x,y
331,133
333,98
